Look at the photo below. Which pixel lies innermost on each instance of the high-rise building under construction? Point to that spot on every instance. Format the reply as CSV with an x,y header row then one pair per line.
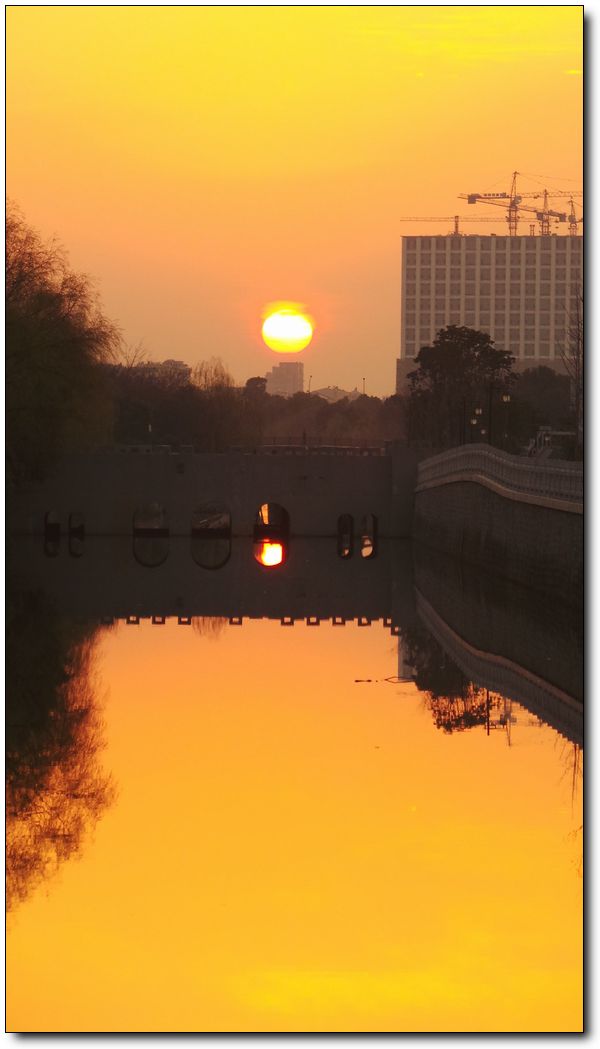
x,y
524,291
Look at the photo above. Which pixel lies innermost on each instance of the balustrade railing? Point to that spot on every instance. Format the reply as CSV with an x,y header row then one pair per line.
x,y
550,479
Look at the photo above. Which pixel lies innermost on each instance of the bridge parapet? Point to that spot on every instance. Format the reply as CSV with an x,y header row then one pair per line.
x,y
556,484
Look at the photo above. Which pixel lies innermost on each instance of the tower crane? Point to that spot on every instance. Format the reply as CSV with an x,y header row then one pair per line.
x,y
515,205
499,199
573,220
545,214
572,217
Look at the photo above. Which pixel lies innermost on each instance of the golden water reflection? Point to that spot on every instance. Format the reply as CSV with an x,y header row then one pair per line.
x,y
297,847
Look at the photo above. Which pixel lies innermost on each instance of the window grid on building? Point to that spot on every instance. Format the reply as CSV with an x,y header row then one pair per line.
x,y
521,290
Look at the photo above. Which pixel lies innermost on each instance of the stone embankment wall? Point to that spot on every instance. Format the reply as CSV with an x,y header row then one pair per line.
x,y
512,516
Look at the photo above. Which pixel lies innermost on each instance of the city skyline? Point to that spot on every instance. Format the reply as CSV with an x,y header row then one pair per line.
x,y
193,192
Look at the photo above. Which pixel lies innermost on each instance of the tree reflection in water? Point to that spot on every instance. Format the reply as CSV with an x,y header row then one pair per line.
x,y
56,790
209,626
455,702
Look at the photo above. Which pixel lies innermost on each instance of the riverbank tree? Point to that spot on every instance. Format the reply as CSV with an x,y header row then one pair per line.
x,y
56,337
461,370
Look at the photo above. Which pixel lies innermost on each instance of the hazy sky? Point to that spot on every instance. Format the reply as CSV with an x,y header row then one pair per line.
x,y
201,162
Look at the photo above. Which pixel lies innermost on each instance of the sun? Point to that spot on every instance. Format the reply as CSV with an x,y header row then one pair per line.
x,y
286,328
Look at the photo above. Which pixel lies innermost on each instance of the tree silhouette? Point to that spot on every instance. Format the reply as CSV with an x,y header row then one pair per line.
x,y
212,375
56,336
461,368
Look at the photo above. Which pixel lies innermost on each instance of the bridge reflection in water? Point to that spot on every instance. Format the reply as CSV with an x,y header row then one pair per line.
x,y
501,638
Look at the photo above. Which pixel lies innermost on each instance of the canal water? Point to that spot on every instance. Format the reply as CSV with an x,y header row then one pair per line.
x,y
354,813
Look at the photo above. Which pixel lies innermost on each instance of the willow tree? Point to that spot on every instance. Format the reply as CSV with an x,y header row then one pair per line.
x,y
56,338
219,417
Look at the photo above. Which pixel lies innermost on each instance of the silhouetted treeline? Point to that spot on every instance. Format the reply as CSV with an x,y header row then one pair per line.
x,y
56,336
157,404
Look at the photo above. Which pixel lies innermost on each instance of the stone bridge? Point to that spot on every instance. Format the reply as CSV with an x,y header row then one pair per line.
x,y
103,491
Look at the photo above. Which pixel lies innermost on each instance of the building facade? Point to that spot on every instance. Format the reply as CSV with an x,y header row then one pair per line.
x,y
524,291
286,379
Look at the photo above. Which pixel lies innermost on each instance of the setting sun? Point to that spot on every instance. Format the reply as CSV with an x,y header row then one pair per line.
x,y
287,330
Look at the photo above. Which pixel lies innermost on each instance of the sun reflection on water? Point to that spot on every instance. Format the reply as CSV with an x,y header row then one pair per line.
x,y
268,553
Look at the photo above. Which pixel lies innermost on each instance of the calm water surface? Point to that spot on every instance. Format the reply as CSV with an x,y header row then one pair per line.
x,y
216,827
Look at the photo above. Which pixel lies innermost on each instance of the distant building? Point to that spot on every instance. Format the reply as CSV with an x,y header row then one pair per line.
x,y
286,379
523,291
177,367
175,372
333,394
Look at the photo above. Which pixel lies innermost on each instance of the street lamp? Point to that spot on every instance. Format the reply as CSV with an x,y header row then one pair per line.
x,y
473,422
505,402
477,412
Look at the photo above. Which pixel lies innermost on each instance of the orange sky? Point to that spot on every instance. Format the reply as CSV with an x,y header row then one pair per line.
x,y
290,850
200,162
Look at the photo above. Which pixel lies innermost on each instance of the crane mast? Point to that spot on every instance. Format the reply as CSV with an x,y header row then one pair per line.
x,y
513,207
499,199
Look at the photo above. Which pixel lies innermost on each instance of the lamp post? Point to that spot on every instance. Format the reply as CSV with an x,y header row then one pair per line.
x,y
478,412
473,425
309,382
506,402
